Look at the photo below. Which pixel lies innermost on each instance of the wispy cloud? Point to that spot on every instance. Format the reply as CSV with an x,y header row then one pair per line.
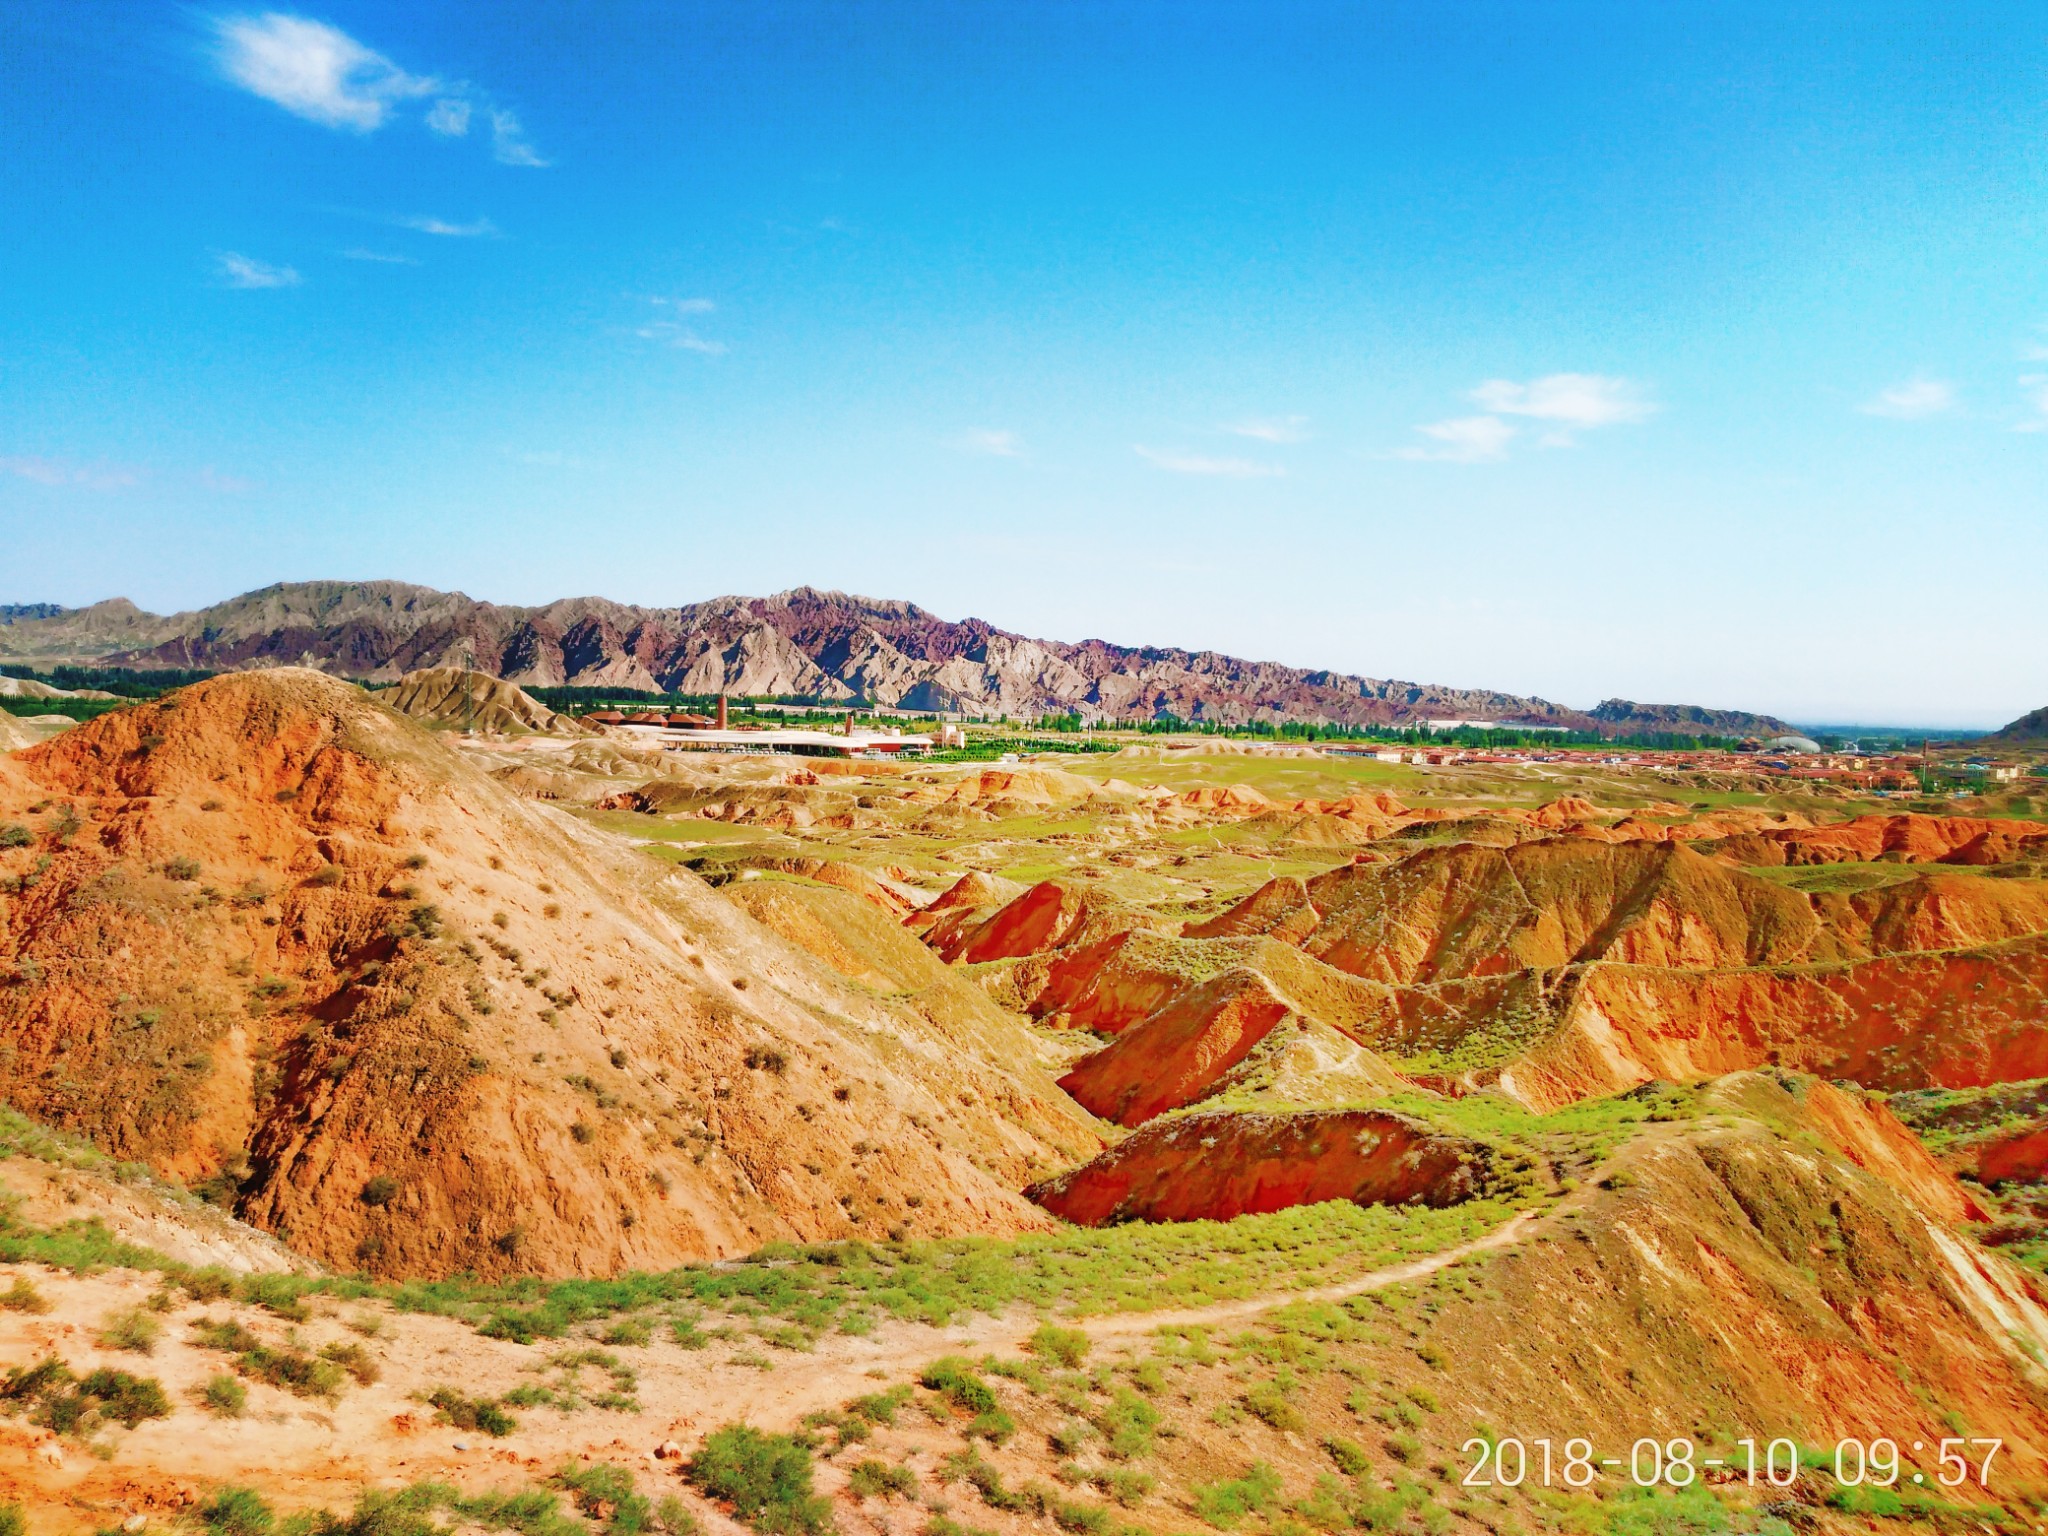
x,y
1914,399
61,472
1569,402
1201,464
1462,440
994,441
675,333
320,73
239,271
508,142
1572,400
670,334
211,479
388,258
475,229
450,117
1283,429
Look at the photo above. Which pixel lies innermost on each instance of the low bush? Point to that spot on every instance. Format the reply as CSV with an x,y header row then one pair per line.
x,y
452,1407
1064,1347
765,1478
133,1330
22,1296
1129,1424
68,1404
237,1512
603,1489
956,1380
1350,1457
877,1479
1223,1504
225,1396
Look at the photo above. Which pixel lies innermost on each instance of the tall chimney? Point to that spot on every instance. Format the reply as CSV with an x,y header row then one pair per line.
x,y
849,722
721,711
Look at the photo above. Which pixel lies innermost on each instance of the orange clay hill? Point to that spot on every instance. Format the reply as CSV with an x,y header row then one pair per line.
x,y
1227,1152
272,938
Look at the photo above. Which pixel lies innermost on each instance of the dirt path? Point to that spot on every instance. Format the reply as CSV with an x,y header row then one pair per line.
x,y
845,1368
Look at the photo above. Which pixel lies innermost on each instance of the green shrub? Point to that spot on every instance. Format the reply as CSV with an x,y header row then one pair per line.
x,y
103,1395
379,1190
765,1478
225,1396
1128,1424
1223,1504
877,1479
237,1512
674,1516
956,1379
1268,1401
1126,1486
632,1332
354,1359
881,1407
12,1522
133,1330
594,1489
1064,1347
22,1296
1350,1457
213,1282
14,835
452,1407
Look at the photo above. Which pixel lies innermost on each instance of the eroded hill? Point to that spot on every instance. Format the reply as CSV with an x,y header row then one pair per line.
x,y
268,936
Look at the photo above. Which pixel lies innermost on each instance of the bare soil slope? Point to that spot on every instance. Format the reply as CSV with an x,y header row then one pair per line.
x,y
270,935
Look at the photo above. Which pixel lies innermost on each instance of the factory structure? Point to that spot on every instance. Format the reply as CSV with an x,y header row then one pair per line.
x,y
706,733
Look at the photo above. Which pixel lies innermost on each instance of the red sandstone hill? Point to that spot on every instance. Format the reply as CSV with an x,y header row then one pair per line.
x,y
827,645
1559,968
271,936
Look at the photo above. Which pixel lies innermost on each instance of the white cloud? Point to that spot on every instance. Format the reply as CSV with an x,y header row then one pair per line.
x,y
1914,399
1463,440
314,71
684,306
670,334
476,229
1199,464
508,142
450,117
320,73
387,258
1574,400
59,472
995,441
239,271
1284,429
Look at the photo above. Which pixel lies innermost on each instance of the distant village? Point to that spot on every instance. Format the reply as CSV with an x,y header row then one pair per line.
x,y
1881,772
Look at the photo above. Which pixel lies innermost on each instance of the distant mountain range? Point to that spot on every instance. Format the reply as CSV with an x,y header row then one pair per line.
x,y
805,643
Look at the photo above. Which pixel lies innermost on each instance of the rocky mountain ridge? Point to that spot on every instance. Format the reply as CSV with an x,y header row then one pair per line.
x,y
803,643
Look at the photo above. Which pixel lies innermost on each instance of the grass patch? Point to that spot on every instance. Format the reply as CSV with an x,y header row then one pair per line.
x,y
765,1478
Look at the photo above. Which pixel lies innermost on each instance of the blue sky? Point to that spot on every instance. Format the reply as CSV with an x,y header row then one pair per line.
x,y
1678,353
